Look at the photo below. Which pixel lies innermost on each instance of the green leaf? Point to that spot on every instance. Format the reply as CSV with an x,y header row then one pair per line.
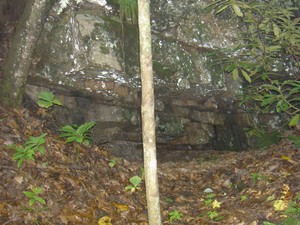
x,y
57,101
112,162
293,83
294,121
17,156
85,127
230,67
68,129
264,76
278,106
47,99
41,150
275,48
284,107
211,195
237,10
175,215
20,161
46,96
268,223
31,201
29,194
297,99
36,140
212,214
37,190
44,104
222,9
295,140
235,74
79,139
40,200
276,82
135,180
71,139
276,30
130,187
295,90
271,87
246,76
269,99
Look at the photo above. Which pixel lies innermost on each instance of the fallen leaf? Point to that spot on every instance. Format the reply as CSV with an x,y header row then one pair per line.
x,y
280,205
120,207
105,220
285,157
19,179
216,204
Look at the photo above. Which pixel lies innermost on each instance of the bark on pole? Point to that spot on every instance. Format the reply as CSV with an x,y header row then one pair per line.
x,y
148,118
17,64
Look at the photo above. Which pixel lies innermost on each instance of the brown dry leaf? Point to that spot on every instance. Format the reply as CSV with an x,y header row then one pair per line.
x,y
77,182
41,112
2,206
73,219
120,207
19,179
12,124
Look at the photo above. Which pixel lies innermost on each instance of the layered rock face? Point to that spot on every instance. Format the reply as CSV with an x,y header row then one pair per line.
x,y
89,59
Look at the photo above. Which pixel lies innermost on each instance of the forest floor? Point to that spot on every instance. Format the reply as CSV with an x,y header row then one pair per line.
x,y
81,185
86,185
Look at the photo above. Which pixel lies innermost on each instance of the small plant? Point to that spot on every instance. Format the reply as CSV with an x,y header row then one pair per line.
x,y
128,10
142,173
244,198
291,212
135,181
33,196
214,204
79,134
268,223
29,149
295,140
209,198
260,137
175,215
169,200
290,208
269,37
112,162
212,214
258,176
47,99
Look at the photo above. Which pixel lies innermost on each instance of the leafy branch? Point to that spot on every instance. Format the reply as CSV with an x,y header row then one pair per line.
x,y
268,55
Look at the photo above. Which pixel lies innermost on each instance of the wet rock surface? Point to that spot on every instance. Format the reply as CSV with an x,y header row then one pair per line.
x,y
93,57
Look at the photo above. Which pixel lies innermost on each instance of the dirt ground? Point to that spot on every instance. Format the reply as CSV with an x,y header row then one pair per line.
x,y
80,186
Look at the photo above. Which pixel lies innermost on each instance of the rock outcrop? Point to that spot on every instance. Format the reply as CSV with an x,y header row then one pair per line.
x,y
89,59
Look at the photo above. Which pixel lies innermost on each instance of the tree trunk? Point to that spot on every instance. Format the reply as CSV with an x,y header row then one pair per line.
x,y
17,64
148,119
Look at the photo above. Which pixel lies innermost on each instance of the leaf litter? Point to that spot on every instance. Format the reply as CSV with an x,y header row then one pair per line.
x,y
80,187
